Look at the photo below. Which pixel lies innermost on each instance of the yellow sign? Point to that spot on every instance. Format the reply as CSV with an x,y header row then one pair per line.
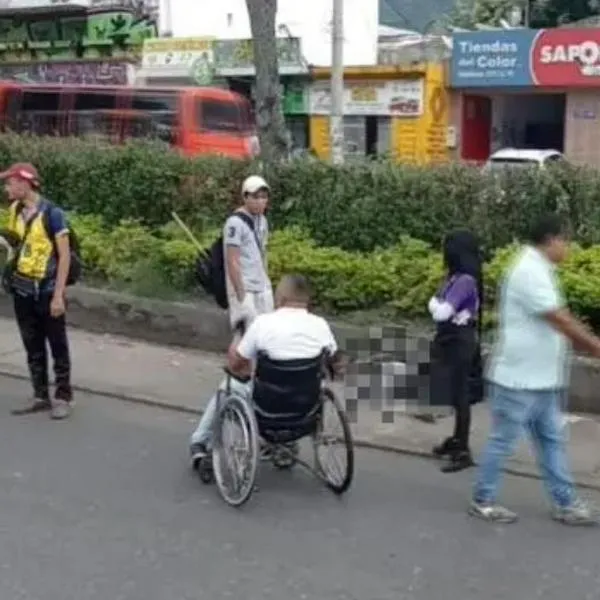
x,y
319,136
405,140
178,44
423,140
436,124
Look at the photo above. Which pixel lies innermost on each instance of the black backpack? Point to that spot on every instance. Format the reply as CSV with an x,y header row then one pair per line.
x,y
210,267
76,266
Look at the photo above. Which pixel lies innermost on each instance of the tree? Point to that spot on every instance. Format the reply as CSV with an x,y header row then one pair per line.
x,y
269,113
550,13
468,13
542,13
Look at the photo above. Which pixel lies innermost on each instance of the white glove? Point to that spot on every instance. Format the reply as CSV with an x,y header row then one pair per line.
x,y
440,311
248,310
269,300
433,305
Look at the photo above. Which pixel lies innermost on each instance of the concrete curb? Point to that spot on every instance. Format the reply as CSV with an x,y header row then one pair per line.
x,y
203,326
359,443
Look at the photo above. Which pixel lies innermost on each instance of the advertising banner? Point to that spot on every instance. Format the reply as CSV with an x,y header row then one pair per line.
x,y
402,98
492,58
522,57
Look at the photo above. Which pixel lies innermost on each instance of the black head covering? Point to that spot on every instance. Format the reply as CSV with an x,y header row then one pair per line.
x,y
462,255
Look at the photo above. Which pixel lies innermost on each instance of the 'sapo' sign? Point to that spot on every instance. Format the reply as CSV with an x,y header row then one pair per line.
x,y
520,58
566,57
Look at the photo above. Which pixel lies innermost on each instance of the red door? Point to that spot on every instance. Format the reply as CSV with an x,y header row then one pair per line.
x,y
476,128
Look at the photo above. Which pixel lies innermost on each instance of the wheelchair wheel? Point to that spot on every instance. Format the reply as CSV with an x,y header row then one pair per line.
x,y
338,477
236,451
285,456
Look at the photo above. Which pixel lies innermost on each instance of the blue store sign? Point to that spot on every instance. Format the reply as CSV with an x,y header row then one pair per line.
x,y
492,58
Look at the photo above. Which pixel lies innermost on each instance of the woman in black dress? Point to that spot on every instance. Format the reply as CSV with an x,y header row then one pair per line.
x,y
456,365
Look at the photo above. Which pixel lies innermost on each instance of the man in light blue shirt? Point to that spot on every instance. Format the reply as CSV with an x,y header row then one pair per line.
x,y
528,376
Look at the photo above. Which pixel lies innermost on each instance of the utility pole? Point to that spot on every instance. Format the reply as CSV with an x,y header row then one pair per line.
x,y
336,120
168,21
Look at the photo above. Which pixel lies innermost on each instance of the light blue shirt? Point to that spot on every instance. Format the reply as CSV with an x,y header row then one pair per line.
x,y
529,353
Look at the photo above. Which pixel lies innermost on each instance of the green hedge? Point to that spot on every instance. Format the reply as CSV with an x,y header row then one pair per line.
x,y
360,207
399,279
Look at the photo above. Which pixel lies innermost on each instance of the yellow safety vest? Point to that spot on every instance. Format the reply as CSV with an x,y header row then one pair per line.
x,y
37,250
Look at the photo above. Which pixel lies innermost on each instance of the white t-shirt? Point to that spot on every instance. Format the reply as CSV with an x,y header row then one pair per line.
x,y
529,353
287,334
252,264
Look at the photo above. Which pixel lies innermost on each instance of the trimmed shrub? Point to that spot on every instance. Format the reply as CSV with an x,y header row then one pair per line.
x,y
401,278
359,207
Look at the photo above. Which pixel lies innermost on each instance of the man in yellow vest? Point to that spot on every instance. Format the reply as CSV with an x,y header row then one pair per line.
x,y
37,283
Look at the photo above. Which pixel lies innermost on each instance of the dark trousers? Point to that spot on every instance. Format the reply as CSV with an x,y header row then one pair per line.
x,y
454,354
37,327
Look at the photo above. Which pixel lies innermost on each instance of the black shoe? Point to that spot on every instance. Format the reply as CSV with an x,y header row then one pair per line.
x,y
197,453
447,447
458,461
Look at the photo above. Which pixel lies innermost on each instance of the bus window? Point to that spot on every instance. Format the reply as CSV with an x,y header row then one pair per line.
x,y
94,101
155,116
247,116
89,116
154,102
10,110
40,113
139,125
219,116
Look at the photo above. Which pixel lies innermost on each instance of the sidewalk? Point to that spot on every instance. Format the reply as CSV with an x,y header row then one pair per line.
x,y
185,379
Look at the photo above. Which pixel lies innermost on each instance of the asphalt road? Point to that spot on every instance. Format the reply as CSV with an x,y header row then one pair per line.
x,y
104,507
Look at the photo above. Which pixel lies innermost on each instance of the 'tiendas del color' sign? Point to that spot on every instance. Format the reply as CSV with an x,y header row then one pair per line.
x,y
523,58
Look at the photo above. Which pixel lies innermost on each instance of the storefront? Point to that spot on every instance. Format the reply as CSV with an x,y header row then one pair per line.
x,y
537,89
388,111
234,62
177,62
58,43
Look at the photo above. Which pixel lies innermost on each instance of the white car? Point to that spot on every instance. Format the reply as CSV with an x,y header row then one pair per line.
x,y
512,157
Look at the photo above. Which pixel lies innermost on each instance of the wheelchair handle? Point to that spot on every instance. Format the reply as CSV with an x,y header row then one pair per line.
x,y
231,375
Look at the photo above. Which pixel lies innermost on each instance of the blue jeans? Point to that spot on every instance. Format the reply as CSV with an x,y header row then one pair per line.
x,y
538,412
203,432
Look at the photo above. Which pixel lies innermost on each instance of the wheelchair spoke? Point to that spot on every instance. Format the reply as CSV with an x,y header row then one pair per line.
x,y
329,461
237,448
333,446
237,452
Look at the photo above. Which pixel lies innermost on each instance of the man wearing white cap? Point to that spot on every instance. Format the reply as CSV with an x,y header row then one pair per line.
x,y
249,289
245,236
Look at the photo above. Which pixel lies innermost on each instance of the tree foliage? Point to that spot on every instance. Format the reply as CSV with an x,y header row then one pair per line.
x,y
468,13
550,13
542,13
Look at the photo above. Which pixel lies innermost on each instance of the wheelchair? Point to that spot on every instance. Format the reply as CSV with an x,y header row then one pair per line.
x,y
297,386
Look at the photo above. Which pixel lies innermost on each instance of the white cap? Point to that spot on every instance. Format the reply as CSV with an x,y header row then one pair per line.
x,y
254,183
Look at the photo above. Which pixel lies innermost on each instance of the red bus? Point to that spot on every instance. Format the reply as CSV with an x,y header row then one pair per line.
x,y
193,120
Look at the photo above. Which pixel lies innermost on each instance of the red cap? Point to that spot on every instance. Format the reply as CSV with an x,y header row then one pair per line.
x,y
24,171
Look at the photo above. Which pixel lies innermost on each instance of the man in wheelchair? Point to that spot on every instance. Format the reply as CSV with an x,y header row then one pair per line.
x,y
289,333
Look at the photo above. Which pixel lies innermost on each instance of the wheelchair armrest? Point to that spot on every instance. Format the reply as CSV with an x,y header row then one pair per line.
x,y
241,379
